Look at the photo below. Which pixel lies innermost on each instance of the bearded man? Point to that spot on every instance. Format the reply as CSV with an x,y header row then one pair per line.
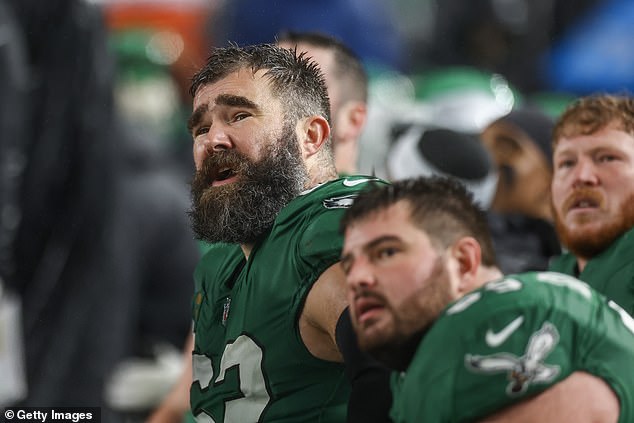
x,y
593,194
270,292
468,343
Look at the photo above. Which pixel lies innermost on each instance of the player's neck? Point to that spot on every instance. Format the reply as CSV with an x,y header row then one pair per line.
x,y
398,356
320,171
489,273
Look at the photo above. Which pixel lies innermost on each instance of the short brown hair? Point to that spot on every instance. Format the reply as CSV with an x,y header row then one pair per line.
x,y
590,114
294,78
440,206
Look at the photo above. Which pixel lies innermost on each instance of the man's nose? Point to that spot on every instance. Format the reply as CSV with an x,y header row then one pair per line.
x,y
585,173
216,139
360,274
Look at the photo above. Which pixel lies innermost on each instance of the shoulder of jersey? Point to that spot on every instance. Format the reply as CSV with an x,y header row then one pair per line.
x,y
343,184
542,289
479,301
354,181
354,184
342,192
336,194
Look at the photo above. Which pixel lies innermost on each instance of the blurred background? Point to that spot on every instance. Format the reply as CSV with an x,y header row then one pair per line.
x,y
95,249
456,63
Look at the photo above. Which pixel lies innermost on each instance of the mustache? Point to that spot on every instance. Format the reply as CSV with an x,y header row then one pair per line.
x,y
579,194
213,164
366,293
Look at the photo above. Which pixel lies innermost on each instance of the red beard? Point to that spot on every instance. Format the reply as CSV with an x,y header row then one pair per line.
x,y
586,243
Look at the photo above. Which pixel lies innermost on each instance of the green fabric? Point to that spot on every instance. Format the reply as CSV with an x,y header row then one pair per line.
x,y
189,417
250,363
546,321
611,272
453,80
552,103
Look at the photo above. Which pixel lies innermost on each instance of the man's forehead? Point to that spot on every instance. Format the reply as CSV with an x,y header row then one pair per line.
x,y
578,128
378,223
607,137
240,83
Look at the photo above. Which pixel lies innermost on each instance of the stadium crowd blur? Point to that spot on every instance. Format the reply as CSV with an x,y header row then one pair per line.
x,y
96,159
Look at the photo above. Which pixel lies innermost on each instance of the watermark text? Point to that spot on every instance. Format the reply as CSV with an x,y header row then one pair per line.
x,y
52,415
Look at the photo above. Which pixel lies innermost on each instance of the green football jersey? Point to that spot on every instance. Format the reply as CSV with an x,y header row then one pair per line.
x,y
611,272
250,363
510,340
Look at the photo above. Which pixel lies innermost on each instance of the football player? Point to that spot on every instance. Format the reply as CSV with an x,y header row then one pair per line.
x,y
470,344
270,293
593,194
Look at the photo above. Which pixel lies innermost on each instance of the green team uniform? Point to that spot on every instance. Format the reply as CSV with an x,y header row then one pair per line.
x,y
611,272
510,340
250,363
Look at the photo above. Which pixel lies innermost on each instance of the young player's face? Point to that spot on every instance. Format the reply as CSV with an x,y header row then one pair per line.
x,y
248,160
593,189
398,283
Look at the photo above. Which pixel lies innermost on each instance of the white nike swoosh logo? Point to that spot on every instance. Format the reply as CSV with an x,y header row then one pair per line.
x,y
354,182
496,339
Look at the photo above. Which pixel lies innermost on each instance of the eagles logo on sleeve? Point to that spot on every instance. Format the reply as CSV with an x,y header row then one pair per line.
x,y
345,201
524,370
512,338
342,202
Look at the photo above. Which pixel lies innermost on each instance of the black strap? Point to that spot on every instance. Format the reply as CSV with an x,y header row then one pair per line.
x,y
371,397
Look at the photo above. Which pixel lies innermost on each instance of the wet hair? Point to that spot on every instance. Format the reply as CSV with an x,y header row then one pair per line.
x,y
347,67
590,114
442,207
295,79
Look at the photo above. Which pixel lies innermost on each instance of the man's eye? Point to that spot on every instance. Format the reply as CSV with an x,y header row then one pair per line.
x,y
386,252
565,164
240,116
345,266
607,158
201,130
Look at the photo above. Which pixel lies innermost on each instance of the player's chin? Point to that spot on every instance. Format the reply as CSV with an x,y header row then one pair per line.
x,y
373,334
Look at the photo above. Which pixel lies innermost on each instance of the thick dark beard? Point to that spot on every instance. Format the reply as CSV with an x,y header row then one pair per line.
x,y
590,243
397,352
243,211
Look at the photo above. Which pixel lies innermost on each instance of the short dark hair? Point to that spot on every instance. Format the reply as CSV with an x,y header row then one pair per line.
x,y
440,206
348,67
590,114
294,78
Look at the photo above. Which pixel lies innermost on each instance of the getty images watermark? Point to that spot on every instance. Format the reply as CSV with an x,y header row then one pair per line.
x,y
52,415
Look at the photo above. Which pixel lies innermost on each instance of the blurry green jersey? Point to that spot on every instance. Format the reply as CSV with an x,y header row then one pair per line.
x,y
250,364
510,340
611,272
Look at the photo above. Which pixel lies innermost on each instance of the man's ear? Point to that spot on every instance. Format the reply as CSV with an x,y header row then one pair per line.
x,y
315,131
468,254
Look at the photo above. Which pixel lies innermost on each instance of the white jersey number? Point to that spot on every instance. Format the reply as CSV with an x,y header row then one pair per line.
x,y
245,354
